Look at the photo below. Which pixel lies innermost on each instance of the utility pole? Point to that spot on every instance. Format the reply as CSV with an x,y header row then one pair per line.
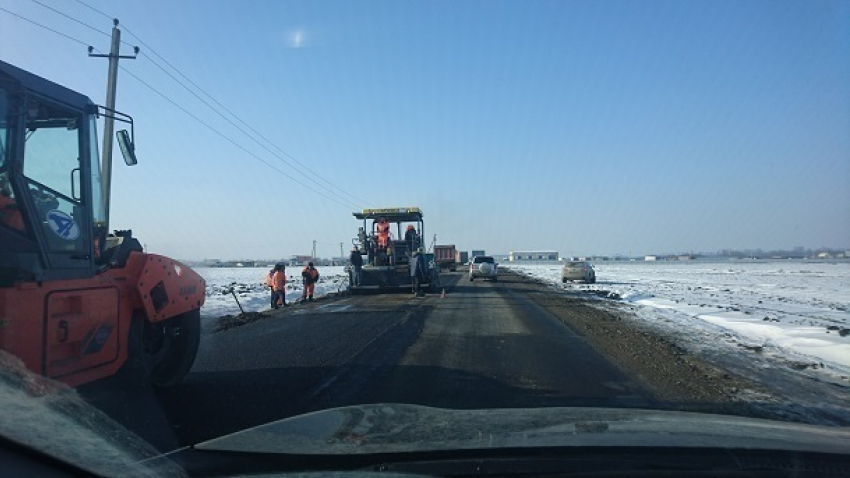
x,y
341,254
108,123
314,249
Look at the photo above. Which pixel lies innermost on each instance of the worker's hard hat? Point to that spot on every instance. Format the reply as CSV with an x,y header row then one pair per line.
x,y
310,264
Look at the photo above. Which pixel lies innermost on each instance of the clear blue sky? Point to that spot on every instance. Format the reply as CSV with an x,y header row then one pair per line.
x,y
588,127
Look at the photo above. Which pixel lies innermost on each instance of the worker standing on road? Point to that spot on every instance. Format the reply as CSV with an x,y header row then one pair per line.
x,y
279,286
357,263
310,276
417,270
270,283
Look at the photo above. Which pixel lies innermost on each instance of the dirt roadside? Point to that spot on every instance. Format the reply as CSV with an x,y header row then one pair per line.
x,y
677,379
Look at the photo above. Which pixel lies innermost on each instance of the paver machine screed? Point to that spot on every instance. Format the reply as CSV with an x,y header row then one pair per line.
x,y
76,304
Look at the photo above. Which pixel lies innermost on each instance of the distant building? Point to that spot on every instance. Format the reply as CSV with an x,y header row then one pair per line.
x,y
300,260
519,256
650,258
478,253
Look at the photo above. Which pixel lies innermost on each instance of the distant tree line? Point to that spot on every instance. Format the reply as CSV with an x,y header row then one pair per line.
x,y
795,253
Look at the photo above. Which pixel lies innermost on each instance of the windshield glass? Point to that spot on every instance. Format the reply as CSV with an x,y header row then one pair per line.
x,y
618,205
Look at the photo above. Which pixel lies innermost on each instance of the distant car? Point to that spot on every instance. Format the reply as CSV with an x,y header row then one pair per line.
x,y
580,270
483,267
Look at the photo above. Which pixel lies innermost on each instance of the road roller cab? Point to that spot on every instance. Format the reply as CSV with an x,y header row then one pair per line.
x,y
77,304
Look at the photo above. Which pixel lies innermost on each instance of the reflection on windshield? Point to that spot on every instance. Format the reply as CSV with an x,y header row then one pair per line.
x,y
630,209
48,416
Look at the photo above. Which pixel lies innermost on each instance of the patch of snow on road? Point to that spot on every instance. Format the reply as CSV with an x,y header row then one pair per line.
x,y
797,310
249,283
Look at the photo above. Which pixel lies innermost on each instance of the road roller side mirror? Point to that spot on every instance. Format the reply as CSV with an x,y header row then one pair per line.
x,y
128,149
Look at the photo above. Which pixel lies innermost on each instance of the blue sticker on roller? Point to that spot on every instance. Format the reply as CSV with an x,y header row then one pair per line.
x,y
97,339
63,225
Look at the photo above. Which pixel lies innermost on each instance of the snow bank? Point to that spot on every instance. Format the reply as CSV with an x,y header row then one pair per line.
x,y
798,309
250,287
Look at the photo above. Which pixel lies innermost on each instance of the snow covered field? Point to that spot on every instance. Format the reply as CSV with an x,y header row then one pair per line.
x,y
250,286
794,311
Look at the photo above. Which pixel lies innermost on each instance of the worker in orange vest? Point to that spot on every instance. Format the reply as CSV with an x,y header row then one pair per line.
x,y
270,283
383,233
10,213
310,276
279,286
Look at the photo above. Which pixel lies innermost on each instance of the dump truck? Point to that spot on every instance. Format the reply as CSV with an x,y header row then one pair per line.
x,y
444,256
78,304
388,239
461,257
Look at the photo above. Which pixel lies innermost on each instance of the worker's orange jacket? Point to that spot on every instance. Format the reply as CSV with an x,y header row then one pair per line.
x,y
312,273
10,214
279,280
383,234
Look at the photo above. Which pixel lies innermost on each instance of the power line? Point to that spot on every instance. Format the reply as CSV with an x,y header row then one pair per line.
x,y
309,172
232,123
174,103
222,135
45,27
93,9
71,18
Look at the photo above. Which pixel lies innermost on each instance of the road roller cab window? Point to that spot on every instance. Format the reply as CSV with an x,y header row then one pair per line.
x,y
52,169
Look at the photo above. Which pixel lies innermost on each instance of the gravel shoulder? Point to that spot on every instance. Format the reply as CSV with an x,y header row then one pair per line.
x,y
678,378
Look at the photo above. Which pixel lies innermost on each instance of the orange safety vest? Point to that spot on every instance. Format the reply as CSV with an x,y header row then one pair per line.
x,y
10,214
279,280
313,273
383,234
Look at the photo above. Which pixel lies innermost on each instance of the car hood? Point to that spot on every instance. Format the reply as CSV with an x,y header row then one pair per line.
x,y
397,428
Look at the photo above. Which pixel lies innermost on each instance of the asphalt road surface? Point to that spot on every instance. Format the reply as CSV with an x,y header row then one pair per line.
x,y
483,345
